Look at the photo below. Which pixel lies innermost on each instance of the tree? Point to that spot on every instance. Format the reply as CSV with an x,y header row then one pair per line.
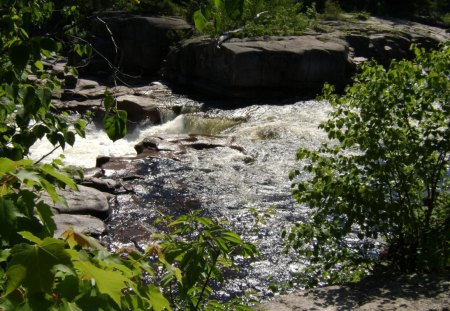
x,y
379,189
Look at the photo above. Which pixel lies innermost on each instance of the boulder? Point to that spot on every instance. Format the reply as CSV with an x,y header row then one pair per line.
x,y
86,224
139,108
142,41
256,66
87,200
103,184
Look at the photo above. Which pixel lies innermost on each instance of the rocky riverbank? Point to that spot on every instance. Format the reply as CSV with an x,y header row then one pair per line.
x,y
176,173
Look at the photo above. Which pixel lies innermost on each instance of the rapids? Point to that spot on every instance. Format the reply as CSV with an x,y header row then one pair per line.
x,y
225,183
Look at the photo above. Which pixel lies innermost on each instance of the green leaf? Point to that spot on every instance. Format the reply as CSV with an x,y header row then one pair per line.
x,y
19,54
110,283
232,237
28,178
78,239
158,301
70,138
30,237
116,125
7,166
4,254
50,170
108,102
45,96
9,213
46,216
50,189
200,21
31,265
38,64
69,306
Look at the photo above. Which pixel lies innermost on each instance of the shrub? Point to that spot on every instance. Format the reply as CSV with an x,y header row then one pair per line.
x,y
253,18
332,10
383,179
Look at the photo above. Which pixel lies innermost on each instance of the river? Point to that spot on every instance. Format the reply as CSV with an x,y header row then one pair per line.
x,y
226,183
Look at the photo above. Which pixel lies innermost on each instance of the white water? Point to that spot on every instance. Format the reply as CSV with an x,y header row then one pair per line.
x,y
299,121
224,182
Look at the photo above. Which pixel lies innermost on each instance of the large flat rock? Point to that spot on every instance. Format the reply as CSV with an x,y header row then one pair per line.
x,y
86,224
86,201
240,66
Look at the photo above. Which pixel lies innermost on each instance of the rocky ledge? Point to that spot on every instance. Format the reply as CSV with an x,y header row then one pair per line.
x,y
411,292
250,67
264,66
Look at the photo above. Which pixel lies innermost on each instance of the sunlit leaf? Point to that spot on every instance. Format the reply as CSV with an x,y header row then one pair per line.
x,y
74,238
200,21
50,170
107,282
158,301
31,265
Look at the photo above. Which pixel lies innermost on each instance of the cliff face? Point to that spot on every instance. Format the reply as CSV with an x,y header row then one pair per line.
x,y
251,67
275,65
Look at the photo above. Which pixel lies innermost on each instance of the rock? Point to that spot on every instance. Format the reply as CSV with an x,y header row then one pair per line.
x,y
250,66
412,292
142,41
139,108
80,106
86,224
386,39
102,184
172,145
260,67
85,201
84,84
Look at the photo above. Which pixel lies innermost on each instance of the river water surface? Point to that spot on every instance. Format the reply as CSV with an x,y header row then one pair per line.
x,y
226,183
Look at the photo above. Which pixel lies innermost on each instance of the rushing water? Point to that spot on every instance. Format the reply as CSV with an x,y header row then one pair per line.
x,y
226,183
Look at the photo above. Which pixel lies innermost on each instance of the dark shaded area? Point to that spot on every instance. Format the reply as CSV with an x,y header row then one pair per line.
x,y
386,289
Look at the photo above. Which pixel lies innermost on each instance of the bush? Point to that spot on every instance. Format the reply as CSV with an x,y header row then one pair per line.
x,y
382,183
253,18
332,10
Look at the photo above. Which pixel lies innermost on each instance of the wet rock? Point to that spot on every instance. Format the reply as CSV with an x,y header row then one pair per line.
x,y
240,67
142,41
150,143
84,94
87,200
139,108
102,184
80,106
172,145
86,224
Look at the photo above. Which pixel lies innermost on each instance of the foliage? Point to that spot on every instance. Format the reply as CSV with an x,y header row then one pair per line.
x,y
37,270
384,176
252,18
194,255
332,10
